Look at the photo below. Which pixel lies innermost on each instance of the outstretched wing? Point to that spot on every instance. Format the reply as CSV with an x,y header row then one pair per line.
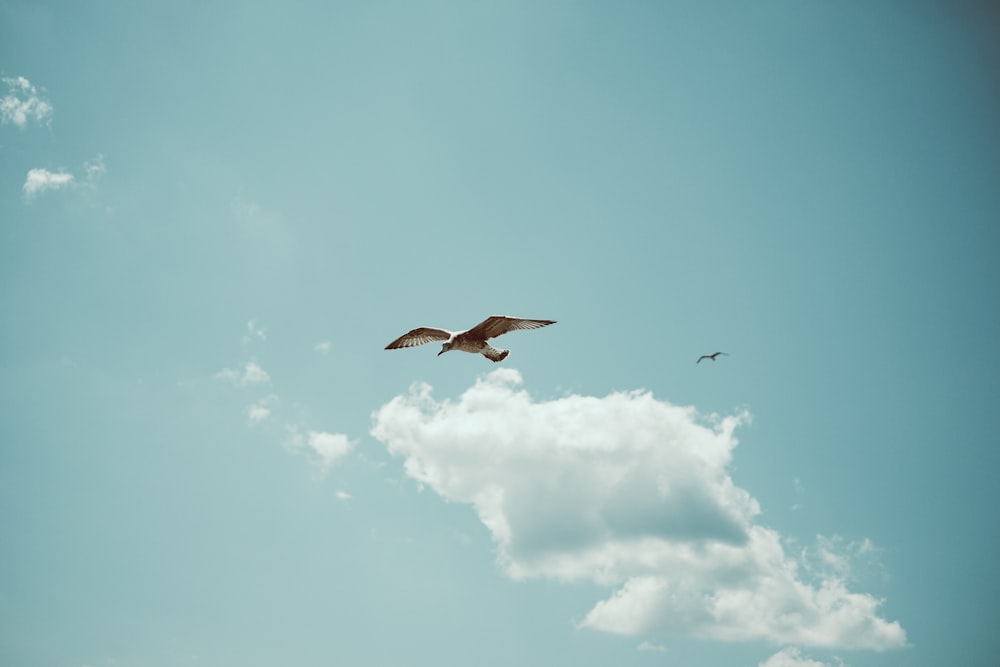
x,y
498,325
704,356
418,336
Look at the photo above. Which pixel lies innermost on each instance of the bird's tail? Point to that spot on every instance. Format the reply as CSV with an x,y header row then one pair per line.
x,y
493,354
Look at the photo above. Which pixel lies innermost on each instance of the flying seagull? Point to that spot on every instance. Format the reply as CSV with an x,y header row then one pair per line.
x,y
710,356
472,340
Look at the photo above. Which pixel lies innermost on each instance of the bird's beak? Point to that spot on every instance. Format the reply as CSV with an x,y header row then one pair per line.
x,y
440,353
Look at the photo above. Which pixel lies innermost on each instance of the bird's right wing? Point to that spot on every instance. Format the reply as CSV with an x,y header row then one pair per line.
x,y
418,336
498,325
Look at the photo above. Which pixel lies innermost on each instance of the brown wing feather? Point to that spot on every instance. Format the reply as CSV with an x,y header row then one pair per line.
x,y
498,325
418,336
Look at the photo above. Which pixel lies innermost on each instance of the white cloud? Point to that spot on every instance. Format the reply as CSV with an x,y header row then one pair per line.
x,y
792,657
343,495
651,647
23,103
325,449
251,374
40,180
629,492
323,347
260,410
257,413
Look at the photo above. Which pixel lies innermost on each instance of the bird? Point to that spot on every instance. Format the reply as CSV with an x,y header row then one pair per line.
x,y
709,356
471,340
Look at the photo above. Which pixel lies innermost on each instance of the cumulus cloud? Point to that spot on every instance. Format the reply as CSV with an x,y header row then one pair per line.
x,y
250,374
792,657
23,103
633,493
40,180
324,449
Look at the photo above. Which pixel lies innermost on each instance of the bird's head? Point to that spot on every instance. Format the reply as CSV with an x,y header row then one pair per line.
x,y
445,347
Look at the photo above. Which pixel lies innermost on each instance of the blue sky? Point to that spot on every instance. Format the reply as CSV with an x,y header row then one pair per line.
x,y
215,215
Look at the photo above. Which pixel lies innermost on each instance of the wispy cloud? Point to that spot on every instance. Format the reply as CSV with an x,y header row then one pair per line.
x,y
799,491
248,375
324,449
629,492
40,180
650,647
23,103
323,347
343,495
254,332
792,657
94,170
261,410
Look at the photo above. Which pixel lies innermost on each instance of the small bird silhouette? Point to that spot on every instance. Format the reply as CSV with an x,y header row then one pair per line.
x,y
710,356
472,340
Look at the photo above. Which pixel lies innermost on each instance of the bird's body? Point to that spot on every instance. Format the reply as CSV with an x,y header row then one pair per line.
x,y
471,340
710,356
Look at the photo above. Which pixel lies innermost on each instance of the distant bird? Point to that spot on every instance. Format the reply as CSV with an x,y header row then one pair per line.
x,y
710,356
472,340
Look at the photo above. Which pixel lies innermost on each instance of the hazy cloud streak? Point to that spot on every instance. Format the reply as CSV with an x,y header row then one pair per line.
x,y
251,374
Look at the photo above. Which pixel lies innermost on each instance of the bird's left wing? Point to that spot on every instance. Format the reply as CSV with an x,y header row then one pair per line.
x,y
498,325
418,336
